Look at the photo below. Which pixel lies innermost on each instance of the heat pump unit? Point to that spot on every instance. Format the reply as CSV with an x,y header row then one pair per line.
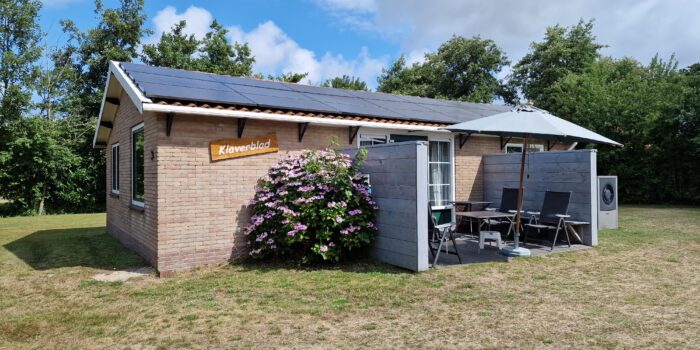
x,y
607,202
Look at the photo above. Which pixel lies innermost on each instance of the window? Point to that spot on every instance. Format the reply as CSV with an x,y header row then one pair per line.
x,y
372,139
137,178
115,168
518,148
439,172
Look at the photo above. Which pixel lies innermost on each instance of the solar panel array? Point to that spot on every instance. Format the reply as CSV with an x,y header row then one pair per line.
x,y
182,85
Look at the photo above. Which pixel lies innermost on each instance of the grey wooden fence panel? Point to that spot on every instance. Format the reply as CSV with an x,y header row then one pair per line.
x,y
398,175
548,171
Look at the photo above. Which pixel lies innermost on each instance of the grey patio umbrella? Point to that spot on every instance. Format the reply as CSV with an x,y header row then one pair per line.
x,y
528,122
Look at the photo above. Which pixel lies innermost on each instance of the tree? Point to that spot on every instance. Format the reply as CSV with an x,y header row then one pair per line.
x,y
19,51
563,51
461,69
284,77
40,166
116,36
638,106
175,49
220,57
346,82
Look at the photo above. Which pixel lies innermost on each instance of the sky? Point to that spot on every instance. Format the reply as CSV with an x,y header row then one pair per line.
x,y
329,38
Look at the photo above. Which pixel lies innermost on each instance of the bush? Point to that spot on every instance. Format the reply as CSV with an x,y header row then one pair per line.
x,y
310,207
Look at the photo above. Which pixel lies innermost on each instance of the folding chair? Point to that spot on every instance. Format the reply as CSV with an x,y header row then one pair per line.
x,y
552,217
440,235
509,205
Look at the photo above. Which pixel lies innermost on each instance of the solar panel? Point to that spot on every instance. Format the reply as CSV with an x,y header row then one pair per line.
x,y
319,90
182,85
171,72
352,105
250,82
375,96
194,94
285,99
140,77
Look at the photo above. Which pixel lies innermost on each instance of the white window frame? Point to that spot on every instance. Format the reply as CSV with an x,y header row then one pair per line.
x,y
432,136
369,136
133,165
116,181
451,182
538,146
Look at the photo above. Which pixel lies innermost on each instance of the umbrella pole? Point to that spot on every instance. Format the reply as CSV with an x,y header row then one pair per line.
x,y
516,250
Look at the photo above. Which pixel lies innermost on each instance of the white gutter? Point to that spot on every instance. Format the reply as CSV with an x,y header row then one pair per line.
x,y
152,107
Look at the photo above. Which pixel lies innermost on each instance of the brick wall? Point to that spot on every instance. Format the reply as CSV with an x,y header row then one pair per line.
x,y
202,204
135,228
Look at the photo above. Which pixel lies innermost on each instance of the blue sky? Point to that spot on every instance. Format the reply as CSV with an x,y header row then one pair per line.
x,y
328,38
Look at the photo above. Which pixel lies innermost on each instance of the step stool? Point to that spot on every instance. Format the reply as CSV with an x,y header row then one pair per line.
x,y
490,235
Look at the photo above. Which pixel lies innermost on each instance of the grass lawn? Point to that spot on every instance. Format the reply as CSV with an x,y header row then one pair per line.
x,y
638,289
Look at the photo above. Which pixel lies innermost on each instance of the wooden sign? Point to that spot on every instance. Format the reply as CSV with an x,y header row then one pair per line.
x,y
246,146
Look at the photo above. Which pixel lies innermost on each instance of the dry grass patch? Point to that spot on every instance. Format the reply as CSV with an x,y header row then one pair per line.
x,y
639,288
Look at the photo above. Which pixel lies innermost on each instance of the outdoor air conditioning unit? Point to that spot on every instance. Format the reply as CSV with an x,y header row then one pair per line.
x,y
607,202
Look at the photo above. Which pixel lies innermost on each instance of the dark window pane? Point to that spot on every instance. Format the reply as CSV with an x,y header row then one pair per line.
x,y
137,170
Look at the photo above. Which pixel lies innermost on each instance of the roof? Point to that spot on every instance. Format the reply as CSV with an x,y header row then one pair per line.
x,y
181,91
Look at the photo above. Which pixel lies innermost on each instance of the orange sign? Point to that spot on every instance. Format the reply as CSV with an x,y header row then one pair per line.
x,y
247,146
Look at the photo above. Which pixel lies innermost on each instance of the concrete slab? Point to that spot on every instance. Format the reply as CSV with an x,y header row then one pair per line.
x,y
468,246
123,275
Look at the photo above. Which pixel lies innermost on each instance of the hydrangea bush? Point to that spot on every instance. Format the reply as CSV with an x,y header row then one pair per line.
x,y
312,206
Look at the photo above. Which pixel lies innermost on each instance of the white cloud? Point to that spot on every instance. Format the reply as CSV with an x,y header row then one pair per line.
x,y
632,28
198,21
276,52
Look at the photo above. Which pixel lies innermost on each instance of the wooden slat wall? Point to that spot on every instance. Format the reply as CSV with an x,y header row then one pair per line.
x,y
555,171
398,174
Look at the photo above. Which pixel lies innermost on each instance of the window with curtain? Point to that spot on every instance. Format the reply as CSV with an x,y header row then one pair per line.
x,y
439,174
137,160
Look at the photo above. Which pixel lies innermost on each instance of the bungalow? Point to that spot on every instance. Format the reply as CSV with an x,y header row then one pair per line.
x,y
185,149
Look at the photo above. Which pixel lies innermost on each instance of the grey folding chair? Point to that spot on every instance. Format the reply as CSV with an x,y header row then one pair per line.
x,y
440,235
553,216
509,204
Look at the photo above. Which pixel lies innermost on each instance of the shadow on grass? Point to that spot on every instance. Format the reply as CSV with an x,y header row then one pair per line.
x,y
356,264
87,247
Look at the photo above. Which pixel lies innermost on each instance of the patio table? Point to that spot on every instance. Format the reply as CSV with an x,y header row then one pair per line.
x,y
469,206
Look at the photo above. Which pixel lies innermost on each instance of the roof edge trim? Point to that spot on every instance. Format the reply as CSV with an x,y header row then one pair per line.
x,y
152,107
125,82
128,85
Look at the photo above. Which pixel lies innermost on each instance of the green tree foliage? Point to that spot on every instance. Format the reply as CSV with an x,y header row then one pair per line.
x,y
563,51
116,37
346,82
213,54
220,57
175,49
41,170
19,51
284,77
650,110
461,69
